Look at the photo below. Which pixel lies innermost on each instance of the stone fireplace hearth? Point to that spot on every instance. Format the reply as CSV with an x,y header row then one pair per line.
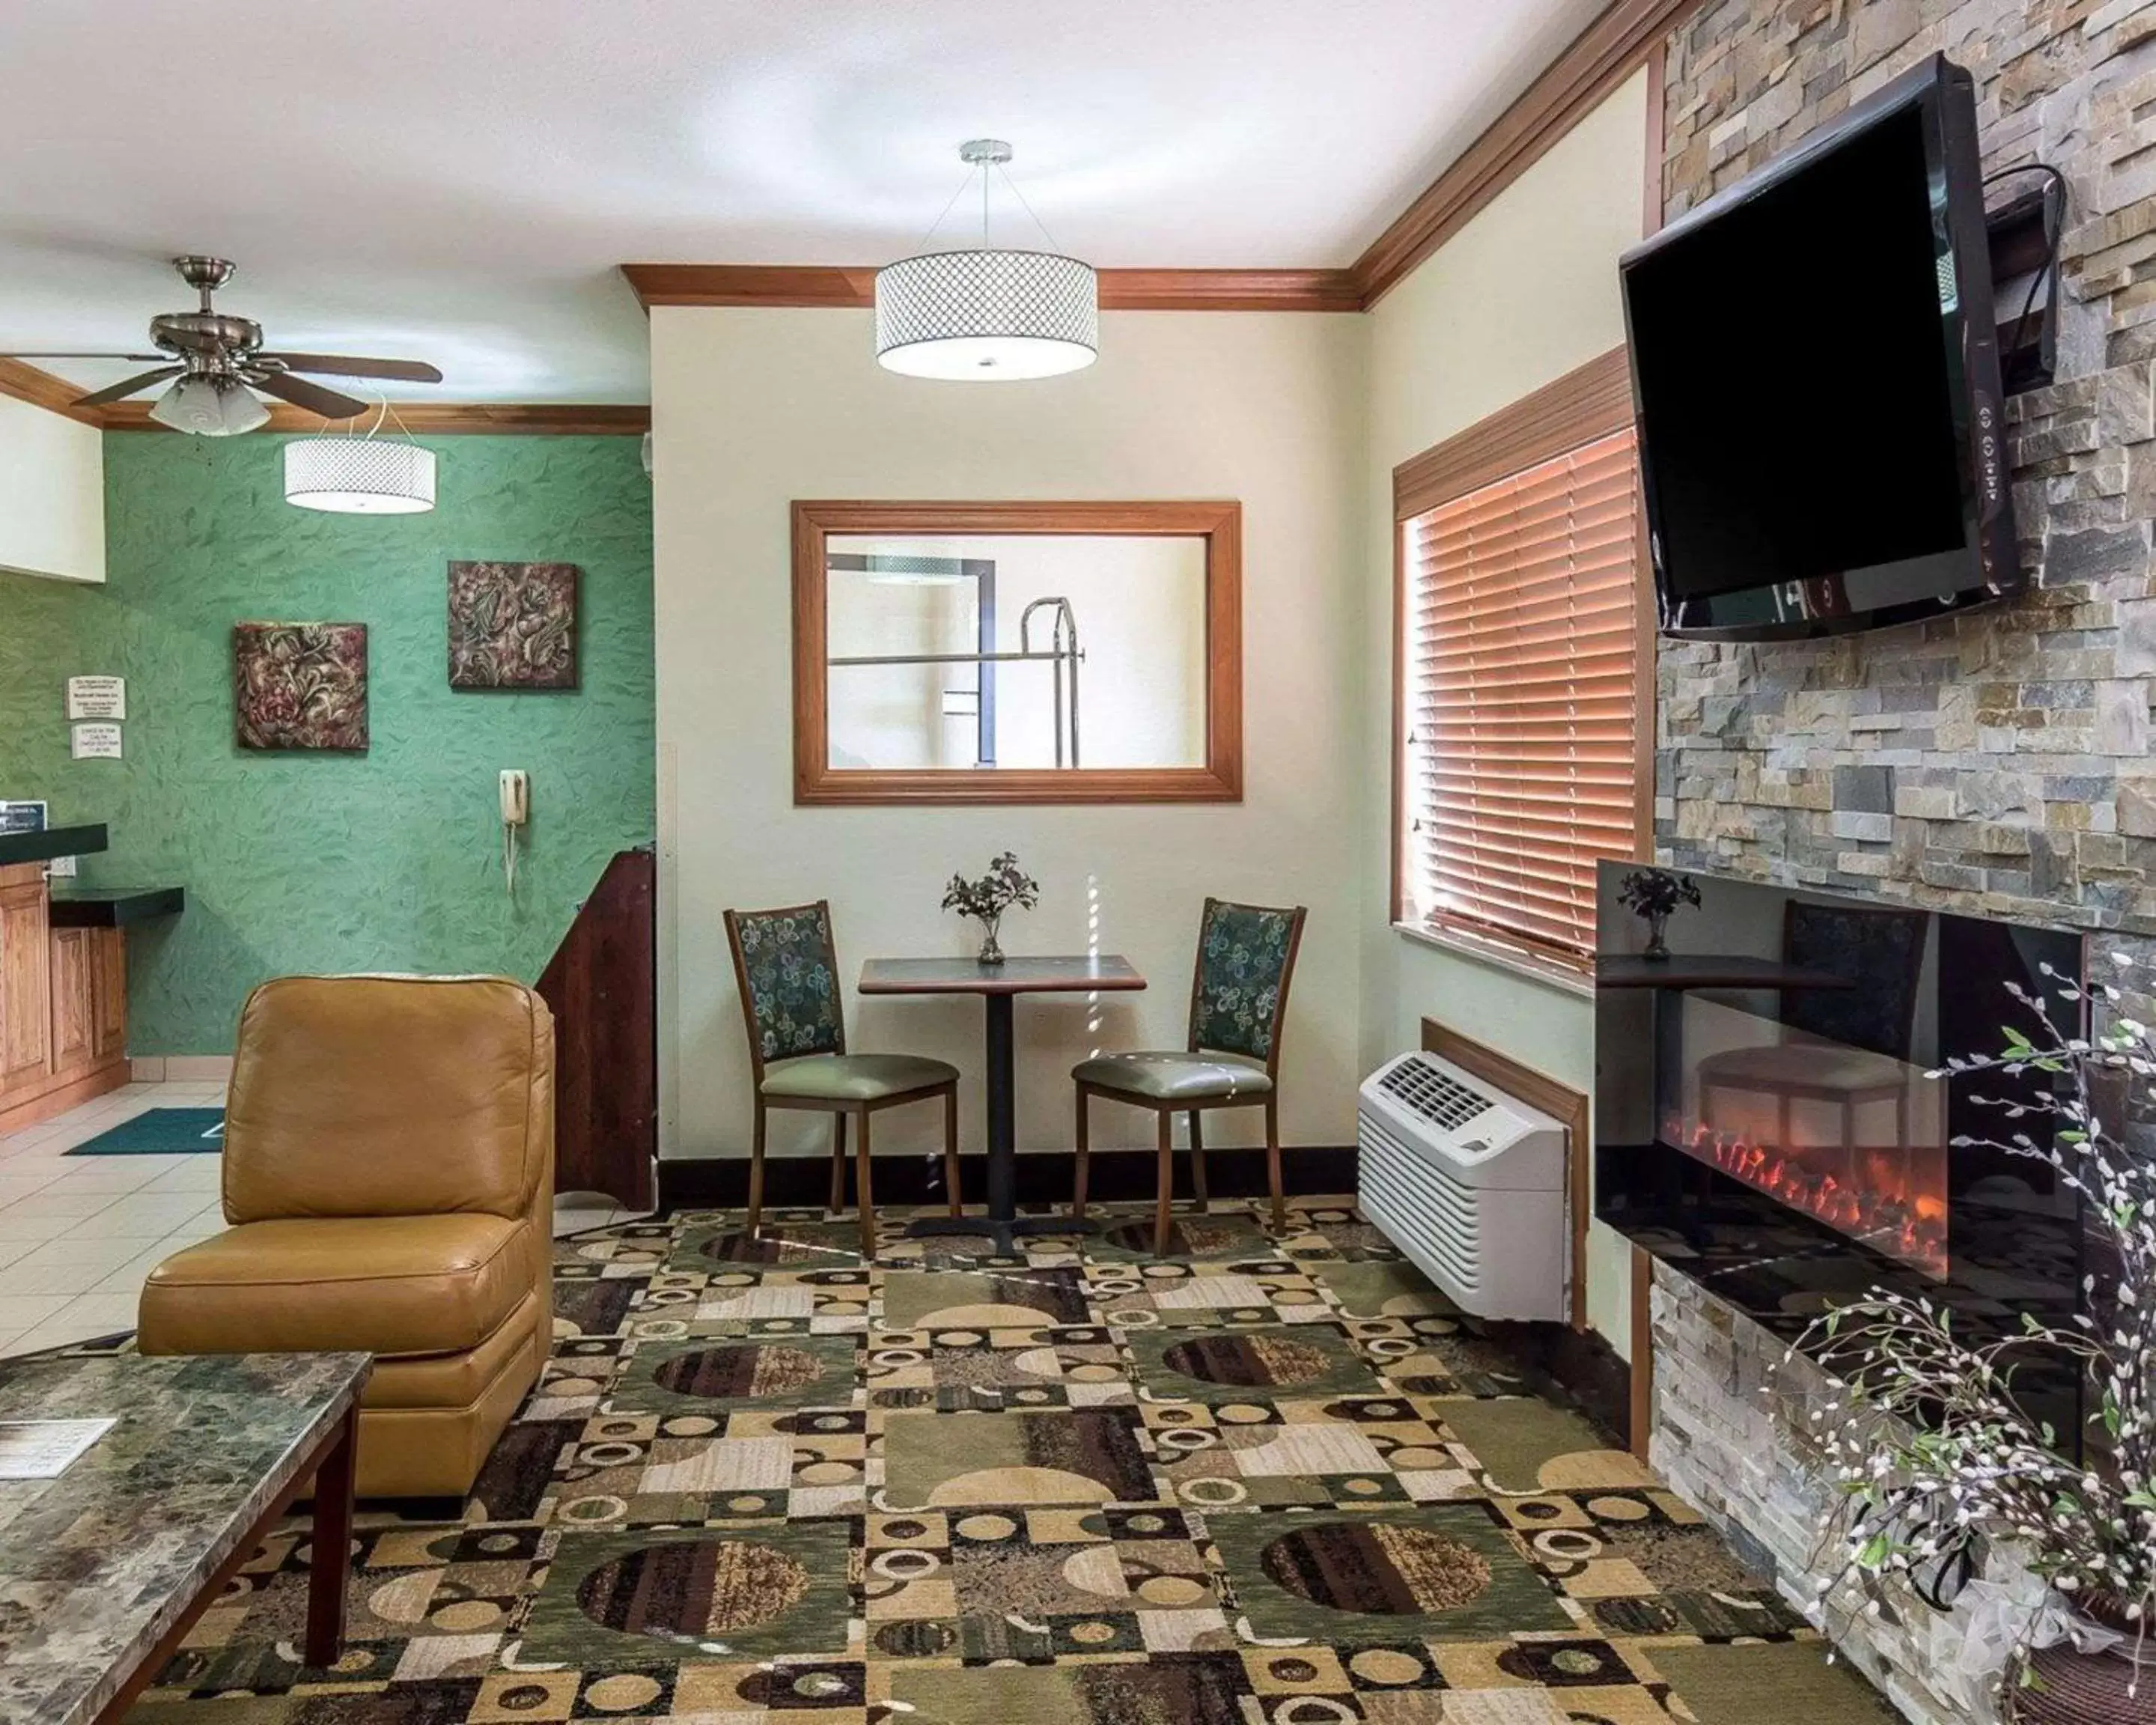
x,y
1731,1436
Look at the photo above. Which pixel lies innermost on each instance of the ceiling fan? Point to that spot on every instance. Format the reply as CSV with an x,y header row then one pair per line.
x,y
218,361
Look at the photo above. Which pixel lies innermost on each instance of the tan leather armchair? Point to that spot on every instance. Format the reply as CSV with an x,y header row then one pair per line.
x,y
388,1173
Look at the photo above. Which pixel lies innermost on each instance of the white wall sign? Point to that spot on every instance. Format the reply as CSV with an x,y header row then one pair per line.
x,y
97,697
95,742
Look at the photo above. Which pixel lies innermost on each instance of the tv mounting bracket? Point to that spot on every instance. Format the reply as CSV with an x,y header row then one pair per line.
x,y
2020,231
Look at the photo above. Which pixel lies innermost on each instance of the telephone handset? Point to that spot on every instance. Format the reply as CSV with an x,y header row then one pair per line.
x,y
516,811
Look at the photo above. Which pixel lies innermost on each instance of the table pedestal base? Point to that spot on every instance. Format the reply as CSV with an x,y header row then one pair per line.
x,y
1003,1223
999,987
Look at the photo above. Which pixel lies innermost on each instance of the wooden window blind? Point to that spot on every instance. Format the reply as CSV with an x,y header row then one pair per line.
x,y
1521,663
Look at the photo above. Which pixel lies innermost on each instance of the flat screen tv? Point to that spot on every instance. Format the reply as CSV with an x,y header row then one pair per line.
x,y
1815,371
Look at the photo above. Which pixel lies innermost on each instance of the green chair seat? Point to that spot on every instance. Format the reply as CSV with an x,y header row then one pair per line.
x,y
854,1077
1173,1076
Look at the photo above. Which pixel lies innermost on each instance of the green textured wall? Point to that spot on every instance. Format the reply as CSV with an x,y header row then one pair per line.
x,y
387,860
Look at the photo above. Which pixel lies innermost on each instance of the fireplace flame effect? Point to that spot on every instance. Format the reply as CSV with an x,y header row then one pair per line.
x,y
1881,1197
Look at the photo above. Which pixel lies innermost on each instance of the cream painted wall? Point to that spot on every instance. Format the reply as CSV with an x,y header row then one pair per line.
x,y
1522,294
1302,418
52,494
754,408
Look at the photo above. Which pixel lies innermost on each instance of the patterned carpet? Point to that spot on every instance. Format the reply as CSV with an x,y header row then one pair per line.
x,y
1269,1482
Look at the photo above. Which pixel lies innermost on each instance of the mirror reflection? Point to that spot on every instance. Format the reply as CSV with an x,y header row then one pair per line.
x,y
1015,651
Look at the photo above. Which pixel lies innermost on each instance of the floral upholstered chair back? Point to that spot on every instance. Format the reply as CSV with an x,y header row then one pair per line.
x,y
789,981
1246,953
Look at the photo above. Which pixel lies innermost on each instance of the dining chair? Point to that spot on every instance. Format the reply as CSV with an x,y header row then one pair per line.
x,y
789,972
1237,1005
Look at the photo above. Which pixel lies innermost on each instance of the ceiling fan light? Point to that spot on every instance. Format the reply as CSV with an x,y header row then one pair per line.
x,y
210,406
986,316
359,475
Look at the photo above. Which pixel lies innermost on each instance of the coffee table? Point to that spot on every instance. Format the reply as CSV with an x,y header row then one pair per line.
x,y
1000,986
104,1570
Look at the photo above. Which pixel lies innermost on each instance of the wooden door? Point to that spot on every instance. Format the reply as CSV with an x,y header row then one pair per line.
x,y
25,991
109,993
74,1016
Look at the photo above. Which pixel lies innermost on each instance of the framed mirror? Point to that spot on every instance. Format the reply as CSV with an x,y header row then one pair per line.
x,y
1018,653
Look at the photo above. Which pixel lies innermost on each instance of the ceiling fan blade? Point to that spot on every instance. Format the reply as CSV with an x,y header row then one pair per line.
x,y
330,403
411,371
141,380
140,359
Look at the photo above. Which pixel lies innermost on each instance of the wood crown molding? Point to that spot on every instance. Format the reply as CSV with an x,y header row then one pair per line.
x,y
1599,59
852,287
429,418
1590,401
24,382
443,418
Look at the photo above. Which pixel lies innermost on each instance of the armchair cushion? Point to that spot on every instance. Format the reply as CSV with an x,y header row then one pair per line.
x,y
383,1285
854,1078
1170,1075
378,1096
388,1168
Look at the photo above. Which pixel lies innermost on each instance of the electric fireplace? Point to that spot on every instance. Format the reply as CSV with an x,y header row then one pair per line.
x,y
1766,1117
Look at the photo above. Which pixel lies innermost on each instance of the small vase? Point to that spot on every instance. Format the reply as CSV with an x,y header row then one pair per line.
x,y
992,951
1658,922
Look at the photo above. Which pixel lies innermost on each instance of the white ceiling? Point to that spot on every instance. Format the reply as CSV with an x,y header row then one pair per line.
x,y
455,180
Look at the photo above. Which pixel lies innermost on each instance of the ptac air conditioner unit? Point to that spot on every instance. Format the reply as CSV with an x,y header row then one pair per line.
x,y
1469,1183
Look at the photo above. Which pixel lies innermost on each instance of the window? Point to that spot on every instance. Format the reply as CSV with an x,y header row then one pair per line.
x,y
1017,652
1524,669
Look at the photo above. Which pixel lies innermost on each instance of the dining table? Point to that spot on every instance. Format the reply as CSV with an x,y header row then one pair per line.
x,y
999,985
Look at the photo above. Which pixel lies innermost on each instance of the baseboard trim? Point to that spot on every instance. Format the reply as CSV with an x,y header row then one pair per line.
x,y
181,1068
721,1181
64,1094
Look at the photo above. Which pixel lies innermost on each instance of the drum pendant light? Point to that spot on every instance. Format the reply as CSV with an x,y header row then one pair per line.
x,y
341,473
987,313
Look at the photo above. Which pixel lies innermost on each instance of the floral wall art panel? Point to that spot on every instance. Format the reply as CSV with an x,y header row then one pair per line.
x,y
512,625
300,686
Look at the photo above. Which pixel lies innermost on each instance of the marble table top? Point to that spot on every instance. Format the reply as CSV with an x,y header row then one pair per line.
x,y
97,1565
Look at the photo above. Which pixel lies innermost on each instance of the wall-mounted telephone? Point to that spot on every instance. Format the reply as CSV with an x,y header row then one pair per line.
x,y
516,811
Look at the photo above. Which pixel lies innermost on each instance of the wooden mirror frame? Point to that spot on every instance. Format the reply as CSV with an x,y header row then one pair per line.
x,y
1219,780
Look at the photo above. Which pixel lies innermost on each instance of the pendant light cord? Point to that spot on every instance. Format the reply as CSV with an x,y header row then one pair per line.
x,y
384,414
953,204
1022,204
1004,174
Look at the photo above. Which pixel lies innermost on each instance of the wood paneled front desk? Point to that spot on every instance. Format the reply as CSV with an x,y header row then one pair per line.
x,y
63,979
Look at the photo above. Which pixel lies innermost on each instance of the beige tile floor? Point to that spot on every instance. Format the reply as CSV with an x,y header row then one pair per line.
x,y
78,1235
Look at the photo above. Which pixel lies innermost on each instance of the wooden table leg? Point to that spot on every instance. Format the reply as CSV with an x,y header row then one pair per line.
x,y
332,1567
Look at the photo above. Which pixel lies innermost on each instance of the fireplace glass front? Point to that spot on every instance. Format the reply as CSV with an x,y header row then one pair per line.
x,y
1766,1117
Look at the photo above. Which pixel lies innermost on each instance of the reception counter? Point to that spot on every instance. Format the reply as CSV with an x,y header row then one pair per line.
x,y
62,978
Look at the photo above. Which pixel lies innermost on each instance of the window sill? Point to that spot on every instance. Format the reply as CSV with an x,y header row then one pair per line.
x,y
1500,956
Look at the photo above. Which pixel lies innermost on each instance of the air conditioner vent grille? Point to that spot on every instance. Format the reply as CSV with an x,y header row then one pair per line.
x,y
1425,1089
1468,1182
